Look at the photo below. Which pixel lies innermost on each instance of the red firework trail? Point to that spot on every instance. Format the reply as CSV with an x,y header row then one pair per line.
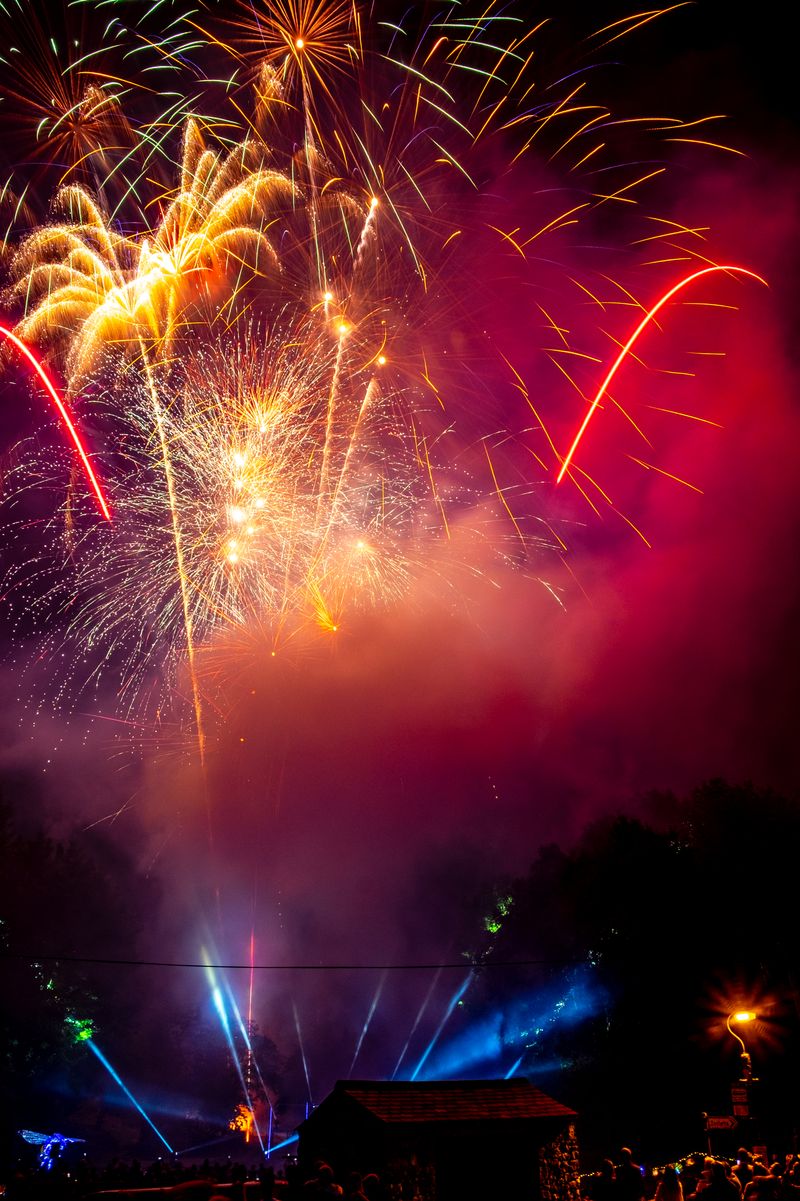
x,y
64,414
620,359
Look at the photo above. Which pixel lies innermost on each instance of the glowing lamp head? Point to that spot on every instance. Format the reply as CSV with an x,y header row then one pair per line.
x,y
743,1015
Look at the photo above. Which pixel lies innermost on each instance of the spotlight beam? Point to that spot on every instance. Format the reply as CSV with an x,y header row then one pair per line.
x,y
417,1020
368,1021
456,997
116,1076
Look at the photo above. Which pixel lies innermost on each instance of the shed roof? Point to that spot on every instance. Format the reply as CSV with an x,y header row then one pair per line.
x,y
406,1101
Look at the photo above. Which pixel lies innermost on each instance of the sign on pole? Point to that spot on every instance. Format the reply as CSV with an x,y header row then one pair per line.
x,y
723,1123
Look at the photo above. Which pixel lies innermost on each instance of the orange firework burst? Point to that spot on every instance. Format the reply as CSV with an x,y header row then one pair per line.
x,y
297,37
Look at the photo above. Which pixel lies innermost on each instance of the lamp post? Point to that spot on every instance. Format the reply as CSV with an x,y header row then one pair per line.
x,y
742,1017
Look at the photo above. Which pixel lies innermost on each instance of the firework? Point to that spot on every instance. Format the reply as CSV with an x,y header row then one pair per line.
x,y
265,343
85,286
266,553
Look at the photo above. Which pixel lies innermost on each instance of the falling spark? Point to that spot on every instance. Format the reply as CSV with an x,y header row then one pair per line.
x,y
63,412
628,347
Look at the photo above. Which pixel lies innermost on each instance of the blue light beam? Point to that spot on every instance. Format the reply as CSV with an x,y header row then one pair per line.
x,y
368,1021
219,1005
302,1052
246,1037
456,997
115,1075
417,1020
512,1071
516,1028
287,1142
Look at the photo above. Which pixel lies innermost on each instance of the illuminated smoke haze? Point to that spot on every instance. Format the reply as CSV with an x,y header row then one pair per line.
x,y
361,796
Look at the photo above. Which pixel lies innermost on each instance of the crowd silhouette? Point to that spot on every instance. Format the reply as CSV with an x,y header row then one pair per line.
x,y
698,1178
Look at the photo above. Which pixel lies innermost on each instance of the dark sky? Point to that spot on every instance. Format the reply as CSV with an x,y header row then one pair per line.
x,y
504,719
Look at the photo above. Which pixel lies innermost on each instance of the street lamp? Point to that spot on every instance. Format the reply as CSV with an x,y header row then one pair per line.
x,y
741,1018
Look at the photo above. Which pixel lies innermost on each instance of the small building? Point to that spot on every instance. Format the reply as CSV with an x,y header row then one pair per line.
x,y
447,1140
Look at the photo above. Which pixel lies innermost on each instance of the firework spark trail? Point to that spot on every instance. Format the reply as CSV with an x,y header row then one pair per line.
x,y
628,347
63,412
370,395
330,418
180,564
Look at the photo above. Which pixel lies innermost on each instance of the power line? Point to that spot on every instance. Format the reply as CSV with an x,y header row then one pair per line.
x,y
289,967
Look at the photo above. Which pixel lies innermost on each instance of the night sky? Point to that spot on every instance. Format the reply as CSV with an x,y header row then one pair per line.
x,y
353,793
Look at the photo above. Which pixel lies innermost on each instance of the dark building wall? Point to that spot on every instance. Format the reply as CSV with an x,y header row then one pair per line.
x,y
350,1141
443,1162
486,1163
